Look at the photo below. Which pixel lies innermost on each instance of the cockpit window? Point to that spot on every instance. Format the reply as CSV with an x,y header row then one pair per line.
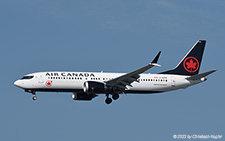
x,y
27,77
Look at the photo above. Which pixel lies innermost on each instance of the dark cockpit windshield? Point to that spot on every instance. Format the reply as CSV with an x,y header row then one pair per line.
x,y
27,77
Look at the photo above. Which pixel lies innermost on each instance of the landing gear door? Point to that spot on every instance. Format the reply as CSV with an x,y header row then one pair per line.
x,y
173,82
40,78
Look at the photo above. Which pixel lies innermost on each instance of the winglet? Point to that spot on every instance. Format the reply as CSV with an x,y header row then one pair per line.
x,y
156,58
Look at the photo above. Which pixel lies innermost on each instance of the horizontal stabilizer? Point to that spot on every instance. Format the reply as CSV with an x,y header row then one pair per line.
x,y
198,76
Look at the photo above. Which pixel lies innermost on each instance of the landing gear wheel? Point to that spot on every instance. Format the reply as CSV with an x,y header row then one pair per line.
x,y
34,98
108,100
115,96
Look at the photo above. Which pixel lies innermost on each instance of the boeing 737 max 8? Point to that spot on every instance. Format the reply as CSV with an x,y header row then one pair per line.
x,y
87,85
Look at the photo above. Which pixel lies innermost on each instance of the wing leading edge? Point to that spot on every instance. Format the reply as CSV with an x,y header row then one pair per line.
x,y
121,82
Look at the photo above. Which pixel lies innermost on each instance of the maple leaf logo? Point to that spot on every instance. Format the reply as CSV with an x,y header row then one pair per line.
x,y
48,83
191,64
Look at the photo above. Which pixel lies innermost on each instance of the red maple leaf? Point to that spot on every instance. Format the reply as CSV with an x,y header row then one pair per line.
x,y
48,83
191,64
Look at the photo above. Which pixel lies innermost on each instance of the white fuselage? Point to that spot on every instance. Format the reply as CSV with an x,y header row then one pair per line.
x,y
74,82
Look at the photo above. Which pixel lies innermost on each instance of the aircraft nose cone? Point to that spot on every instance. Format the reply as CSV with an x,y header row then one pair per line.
x,y
17,83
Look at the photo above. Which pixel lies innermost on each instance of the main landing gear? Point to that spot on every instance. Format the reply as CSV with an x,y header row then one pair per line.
x,y
115,96
108,100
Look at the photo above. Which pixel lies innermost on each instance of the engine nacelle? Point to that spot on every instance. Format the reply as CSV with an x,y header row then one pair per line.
x,y
83,96
94,87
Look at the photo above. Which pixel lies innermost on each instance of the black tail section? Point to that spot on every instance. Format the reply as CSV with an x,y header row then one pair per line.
x,y
190,64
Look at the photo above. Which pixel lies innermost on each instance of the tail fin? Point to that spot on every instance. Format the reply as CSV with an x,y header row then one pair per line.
x,y
190,64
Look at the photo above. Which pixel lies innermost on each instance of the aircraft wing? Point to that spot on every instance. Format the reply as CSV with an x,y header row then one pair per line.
x,y
121,82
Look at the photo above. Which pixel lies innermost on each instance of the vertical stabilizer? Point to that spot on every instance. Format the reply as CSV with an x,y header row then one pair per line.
x,y
191,63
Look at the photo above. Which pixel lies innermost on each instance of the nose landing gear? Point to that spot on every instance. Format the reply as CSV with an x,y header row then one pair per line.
x,y
34,97
33,93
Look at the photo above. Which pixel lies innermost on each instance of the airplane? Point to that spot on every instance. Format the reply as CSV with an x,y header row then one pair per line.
x,y
87,85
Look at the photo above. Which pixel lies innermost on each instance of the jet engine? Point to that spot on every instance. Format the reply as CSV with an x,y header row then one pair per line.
x,y
83,96
94,87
